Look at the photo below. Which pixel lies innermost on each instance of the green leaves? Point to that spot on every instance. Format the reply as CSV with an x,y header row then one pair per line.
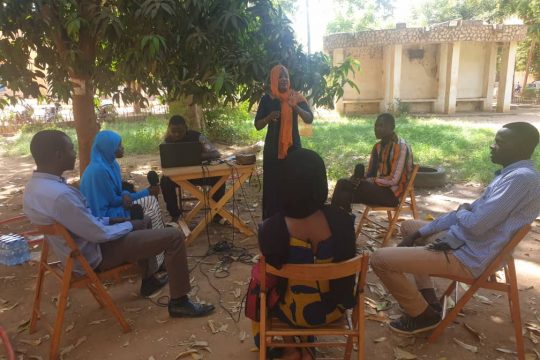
x,y
218,51
153,44
151,8
73,26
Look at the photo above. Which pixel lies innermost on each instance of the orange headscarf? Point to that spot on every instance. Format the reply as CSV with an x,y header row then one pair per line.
x,y
286,121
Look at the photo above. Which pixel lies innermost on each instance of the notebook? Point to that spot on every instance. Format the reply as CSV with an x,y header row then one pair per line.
x,y
180,154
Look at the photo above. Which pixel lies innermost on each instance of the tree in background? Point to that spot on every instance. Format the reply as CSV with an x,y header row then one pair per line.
x,y
529,12
528,58
359,15
437,11
491,11
209,51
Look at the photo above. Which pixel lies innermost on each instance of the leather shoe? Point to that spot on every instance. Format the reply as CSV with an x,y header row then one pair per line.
x,y
153,284
189,309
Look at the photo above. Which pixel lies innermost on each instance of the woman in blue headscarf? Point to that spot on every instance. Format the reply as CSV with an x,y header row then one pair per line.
x,y
101,183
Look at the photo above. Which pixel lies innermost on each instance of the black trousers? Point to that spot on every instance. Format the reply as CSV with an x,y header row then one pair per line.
x,y
346,193
271,201
173,199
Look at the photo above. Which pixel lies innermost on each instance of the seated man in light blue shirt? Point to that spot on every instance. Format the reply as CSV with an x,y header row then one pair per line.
x,y
104,242
475,232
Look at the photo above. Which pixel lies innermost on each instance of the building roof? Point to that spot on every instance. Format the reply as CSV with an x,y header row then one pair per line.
x,y
450,31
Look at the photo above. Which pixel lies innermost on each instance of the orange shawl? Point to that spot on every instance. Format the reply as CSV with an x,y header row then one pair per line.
x,y
286,98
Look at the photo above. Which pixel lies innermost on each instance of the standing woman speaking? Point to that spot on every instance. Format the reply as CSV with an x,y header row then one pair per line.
x,y
279,110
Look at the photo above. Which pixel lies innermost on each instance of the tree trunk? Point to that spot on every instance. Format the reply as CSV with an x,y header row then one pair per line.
x,y
529,59
136,88
85,118
195,114
190,111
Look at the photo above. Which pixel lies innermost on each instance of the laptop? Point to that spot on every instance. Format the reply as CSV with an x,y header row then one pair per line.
x,y
180,154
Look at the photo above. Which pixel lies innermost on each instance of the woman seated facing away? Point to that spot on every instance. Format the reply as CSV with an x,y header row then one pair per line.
x,y
101,184
306,231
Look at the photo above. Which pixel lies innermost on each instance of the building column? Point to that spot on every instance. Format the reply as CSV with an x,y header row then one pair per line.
x,y
489,76
337,59
452,74
392,75
438,107
504,94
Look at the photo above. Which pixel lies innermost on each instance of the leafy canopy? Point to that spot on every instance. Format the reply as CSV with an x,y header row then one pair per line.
x,y
214,50
359,15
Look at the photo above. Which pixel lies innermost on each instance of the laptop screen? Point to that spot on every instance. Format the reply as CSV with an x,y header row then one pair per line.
x,y
180,154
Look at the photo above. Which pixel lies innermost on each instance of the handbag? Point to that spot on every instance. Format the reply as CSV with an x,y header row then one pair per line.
x,y
253,298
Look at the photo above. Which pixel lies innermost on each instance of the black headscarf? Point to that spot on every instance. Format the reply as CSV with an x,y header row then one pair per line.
x,y
304,187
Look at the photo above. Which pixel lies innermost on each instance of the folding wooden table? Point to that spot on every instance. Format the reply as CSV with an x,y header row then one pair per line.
x,y
182,177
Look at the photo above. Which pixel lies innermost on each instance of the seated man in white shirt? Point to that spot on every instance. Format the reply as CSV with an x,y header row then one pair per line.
x,y
104,242
469,237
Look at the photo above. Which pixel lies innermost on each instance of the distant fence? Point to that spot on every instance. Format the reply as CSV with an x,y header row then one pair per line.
x,y
517,99
11,122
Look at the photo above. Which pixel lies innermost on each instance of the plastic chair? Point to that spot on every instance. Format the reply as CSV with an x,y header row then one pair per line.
x,y
392,212
488,280
350,328
92,281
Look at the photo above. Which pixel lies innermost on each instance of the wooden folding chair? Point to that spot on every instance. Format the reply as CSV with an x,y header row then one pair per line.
x,y
350,328
91,281
392,212
488,280
32,235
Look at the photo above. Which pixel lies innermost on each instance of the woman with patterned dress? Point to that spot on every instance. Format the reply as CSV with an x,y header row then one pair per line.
x,y
307,232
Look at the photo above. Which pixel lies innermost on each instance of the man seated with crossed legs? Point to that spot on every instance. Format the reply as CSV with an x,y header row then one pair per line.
x,y
471,236
105,242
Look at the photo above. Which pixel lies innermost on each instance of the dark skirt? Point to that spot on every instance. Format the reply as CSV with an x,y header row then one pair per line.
x,y
271,203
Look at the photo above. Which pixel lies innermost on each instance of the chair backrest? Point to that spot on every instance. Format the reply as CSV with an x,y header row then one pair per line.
x,y
312,272
33,236
506,251
498,261
57,229
410,182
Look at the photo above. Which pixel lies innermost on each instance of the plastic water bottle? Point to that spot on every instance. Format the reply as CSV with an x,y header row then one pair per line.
x,y
13,249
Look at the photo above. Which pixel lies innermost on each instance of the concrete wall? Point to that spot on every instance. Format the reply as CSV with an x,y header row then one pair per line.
x,y
446,67
369,78
419,71
449,32
471,70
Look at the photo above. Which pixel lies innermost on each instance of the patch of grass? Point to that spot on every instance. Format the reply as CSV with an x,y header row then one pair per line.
x,y
140,137
232,125
462,150
19,145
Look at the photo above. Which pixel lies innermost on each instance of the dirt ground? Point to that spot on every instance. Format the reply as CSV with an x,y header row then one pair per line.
x,y
91,332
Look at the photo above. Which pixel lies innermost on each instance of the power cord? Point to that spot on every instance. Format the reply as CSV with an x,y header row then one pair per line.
x,y
226,252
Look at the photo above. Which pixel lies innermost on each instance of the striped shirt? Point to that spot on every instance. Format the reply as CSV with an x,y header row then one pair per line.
x,y
391,164
511,201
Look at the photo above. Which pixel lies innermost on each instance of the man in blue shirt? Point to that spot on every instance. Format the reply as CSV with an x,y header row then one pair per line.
x,y
104,242
476,232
